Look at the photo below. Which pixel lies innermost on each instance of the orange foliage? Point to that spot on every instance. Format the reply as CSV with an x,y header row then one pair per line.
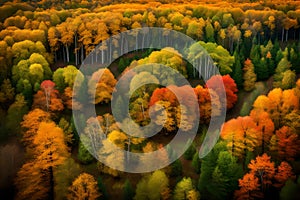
x,y
229,86
240,135
263,168
249,187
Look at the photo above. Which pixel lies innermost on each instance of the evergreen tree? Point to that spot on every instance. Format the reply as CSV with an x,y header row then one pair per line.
x,y
128,192
261,69
237,73
196,163
102,189
176,168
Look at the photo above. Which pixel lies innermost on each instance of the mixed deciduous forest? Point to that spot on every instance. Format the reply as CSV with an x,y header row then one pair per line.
x,y
254,44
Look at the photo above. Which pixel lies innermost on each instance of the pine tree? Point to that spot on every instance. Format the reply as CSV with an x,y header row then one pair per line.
x,y
128,192
237,73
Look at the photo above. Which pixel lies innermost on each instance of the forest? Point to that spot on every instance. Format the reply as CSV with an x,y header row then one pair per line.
x,y
254,44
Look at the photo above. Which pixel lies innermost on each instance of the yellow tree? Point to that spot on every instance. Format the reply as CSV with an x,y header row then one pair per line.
x,y
103,87
240,135
51,149
31,123
84,187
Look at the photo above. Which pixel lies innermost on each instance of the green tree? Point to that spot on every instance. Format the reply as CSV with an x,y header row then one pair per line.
x,y
15,114
64,176
183,188
102,189
83,154
151,187
208,166
189,153
176,168
128,192
237,73
196,163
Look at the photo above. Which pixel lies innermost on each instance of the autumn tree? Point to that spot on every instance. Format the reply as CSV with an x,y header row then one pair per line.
x,y
249,188
229,86
277,104
285,143
48,98
284,173
249,76
84,187
51,149
264,169
103,87
31,123
240,135
265,127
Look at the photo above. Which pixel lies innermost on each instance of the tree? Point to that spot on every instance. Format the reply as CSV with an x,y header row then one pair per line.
x,y
229,86
176,168
196,163
189,153
208,165
151,187
221,57
84,155
249,187
206,100
264,169
84,187
31,123
30,182
103,87
237,73
15,114
265,127
225,176
285,143
51,149
240,135
284,173
284,77
277,104
249,76
64,176
290,190
7,93
183,188
128,192
47,98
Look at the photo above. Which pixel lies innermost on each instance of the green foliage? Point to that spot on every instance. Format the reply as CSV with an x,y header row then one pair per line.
x,y
176,168
189,153
83,154
237,73
208,166
102,189
15,114
150,187
290,190
64,175
196,163
128,192
225,176
284,78
224,61
183,188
